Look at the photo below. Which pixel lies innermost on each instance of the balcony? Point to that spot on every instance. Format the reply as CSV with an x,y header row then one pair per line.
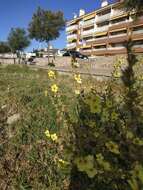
x,y
86,50
119,26
102,29
118,38
116,48
72,36
100,40
100,49
71,45
90,40
118,35
71,28
117,13
102,18
88,23
138,32
88,32
120,22
137,35
138,46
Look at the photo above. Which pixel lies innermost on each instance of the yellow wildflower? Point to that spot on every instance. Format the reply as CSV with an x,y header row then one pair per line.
x,y
91,172
47,133
117,74
51,74
54,88
77,92
138,141
77,78
141,77
76,64
86,164
129,135
112,147
61,161
54,137
114,116
46,93
101,161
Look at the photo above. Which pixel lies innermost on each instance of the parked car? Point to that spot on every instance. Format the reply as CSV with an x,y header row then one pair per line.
x,y
75,54
30,61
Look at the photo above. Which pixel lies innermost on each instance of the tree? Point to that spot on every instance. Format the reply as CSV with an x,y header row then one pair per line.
x,y
18,40
4,47
136,5
46,25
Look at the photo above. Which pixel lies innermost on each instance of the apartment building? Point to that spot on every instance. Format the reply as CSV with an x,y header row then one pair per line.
x,y
105,31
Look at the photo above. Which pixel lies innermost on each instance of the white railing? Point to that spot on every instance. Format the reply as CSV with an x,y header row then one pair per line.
x,y
100,49
120,22
89,22
71,45
101,29
138,32
90,40
72,36
70,28
117,35
138,46
117,13
101,38
102,18
86,50
88,32
116,48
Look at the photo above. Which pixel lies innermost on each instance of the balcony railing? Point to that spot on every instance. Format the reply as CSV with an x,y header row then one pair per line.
x,y
117,13
72,36
138,46
116,48
90,40
100,49
101,29
102,18
86,50
120,22
101,38
117,35
88,32
70,28
89,22
138,32
71,45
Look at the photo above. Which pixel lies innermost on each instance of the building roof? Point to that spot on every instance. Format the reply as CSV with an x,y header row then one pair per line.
x,y
72,21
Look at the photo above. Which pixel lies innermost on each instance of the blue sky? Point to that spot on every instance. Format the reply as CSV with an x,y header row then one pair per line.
x,y
18,13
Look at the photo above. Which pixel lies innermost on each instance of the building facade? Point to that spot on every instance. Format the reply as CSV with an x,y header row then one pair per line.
x,y
105,31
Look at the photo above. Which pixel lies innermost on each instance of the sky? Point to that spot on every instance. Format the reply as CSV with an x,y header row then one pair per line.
x,y
18,13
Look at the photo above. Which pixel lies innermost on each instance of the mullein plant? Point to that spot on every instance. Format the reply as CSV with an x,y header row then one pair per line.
x,y
132,99
108,137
